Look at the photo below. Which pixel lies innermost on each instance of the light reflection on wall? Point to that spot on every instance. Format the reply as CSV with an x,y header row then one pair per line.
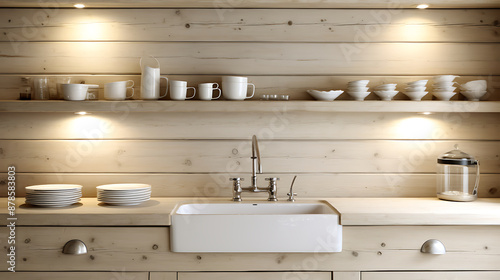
x,y
416,128
90,127
92,31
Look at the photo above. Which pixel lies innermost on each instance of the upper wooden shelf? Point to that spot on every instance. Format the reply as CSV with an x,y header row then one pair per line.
x,y
251,106
356,4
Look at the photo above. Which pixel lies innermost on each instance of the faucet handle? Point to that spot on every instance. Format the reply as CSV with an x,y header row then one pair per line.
x,y
237,179
291,196
272,179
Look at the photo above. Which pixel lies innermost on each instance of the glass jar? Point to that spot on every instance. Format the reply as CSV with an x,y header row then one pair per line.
x,y
457,176
25,88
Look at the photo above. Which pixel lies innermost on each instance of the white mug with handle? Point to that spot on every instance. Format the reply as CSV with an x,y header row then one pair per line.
x,y
205,91
118,90
178,90
235,88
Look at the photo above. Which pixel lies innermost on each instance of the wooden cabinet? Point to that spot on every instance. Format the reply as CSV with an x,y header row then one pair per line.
x,y
74,275
440,275
255,275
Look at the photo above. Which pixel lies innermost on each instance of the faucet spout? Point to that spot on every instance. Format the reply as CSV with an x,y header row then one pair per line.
x,y
256,154
257,165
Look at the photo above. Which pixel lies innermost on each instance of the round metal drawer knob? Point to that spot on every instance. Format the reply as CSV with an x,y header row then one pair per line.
x,y
75,247
434,247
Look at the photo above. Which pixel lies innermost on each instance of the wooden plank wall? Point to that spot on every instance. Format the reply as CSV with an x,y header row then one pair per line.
x,y
282,51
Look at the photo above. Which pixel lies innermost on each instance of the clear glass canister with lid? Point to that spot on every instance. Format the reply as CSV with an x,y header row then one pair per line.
x,y
457,176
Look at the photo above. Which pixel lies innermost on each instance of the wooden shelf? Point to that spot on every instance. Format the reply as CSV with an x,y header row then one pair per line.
x,y
258,4
251,106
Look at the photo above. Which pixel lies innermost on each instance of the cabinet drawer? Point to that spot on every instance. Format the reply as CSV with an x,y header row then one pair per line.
x,y
398,247
442,275
255,275
73,275
109,248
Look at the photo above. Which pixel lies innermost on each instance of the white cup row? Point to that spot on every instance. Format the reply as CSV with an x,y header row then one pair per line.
x,y
234,88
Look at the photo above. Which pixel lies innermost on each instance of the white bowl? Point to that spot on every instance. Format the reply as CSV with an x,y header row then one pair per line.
x,y
443,84
444,88
386,95
480,85
473,95
417,89
358,95
444,95
359,83
76,92
386,86
420,83
357,89
325,95
444,78
415,95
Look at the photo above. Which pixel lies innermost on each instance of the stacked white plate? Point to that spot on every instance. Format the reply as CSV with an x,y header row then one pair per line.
x,y
386,91
358,89
124,194
416,90
55,195
443,88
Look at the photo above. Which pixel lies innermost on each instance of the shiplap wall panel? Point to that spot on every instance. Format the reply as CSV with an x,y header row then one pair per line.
x,y
282,25
251,58
266,125
218,184
233,157
283,51
230,5
295,86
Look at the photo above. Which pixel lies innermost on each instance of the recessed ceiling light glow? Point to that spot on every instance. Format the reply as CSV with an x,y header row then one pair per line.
x,y
82,113
425,113
79,6
422,6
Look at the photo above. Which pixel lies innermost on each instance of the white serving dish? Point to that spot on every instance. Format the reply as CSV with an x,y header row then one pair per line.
x,y
416,95
386,95
444,78
444,95
415,88
419,83
359,95
325,95
473,95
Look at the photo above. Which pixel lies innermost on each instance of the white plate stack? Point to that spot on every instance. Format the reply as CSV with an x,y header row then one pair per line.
x,y
54,195
358,89
443,88
124,194
416,90
386,91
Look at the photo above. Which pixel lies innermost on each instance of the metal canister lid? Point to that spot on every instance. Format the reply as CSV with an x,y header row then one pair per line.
x,y
456,157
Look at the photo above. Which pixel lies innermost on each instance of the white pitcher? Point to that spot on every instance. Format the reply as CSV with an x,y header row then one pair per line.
x,y
150,79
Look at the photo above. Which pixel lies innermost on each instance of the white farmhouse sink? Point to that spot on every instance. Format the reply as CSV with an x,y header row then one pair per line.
x,y
255,227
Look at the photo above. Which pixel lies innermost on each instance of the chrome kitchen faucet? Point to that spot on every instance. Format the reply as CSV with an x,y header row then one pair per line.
x,y
256,169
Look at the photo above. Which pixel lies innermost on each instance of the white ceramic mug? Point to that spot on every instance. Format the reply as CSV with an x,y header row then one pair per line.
x,y
118,90
76,92
150,79
178,90
235,88
205,91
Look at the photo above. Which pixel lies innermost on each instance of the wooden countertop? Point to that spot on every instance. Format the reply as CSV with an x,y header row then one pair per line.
x,y
353,211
